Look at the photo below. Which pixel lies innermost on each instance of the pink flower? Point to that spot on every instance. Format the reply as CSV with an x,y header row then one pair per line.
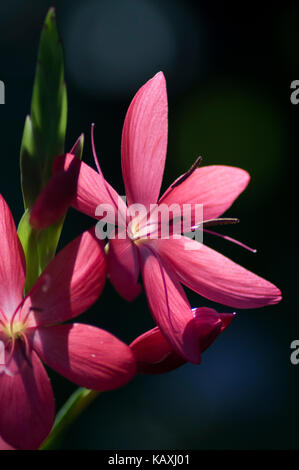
x,y
155,355
30,331
165,264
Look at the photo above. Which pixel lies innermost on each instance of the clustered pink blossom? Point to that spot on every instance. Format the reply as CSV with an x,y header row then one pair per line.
x,y
32,329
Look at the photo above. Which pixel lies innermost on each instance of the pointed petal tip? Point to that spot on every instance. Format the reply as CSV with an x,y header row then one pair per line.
x,y
160,80
159,76
241,176
236,287
145,133
226,319
272,295
277,296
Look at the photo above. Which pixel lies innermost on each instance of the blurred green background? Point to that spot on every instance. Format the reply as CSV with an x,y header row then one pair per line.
x,y
228,72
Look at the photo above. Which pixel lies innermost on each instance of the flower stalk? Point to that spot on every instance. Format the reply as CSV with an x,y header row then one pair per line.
x,y
69,412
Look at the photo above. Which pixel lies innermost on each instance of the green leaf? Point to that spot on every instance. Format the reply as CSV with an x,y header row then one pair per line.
x,y
29,239
39,247
43,140
77,148
29,168
45,135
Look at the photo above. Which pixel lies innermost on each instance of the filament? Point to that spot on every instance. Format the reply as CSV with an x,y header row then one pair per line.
x,y
230,239
98,166
6,362
182,178
25,339
188,173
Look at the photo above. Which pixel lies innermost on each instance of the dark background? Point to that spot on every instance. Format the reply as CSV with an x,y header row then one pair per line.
x,y
228,71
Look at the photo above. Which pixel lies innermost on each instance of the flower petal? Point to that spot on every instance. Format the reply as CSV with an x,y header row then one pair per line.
x,y
144,142
215,187
12,264
57,196
70,284
209,324
155,355
5,446
86,355
75,184
123,267
27,408
169,305
214,276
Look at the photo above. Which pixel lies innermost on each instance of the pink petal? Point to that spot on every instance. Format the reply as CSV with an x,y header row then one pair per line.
x,y
5,446
12,265
92,189
57,196
27,408
123,267
70,284
155,355
144,142
86,355
216,277
210,324
77,184
215,187
226,319
169,305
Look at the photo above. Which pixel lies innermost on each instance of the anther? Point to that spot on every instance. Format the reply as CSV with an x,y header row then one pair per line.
x,y
188,173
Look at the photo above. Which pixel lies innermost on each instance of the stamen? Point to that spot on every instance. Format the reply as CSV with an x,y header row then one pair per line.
x,y
2,314
188,173
13,343
14,315
31,309
35,309
11,353
94,150
44,283
98,166
230,240
219,221
25,339
182,178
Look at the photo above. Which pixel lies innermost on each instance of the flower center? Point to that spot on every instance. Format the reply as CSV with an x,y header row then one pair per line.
x,y
133,229
138,233
14,330
139,229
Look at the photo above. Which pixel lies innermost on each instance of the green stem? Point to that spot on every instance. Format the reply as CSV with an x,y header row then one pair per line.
x,y
72,408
